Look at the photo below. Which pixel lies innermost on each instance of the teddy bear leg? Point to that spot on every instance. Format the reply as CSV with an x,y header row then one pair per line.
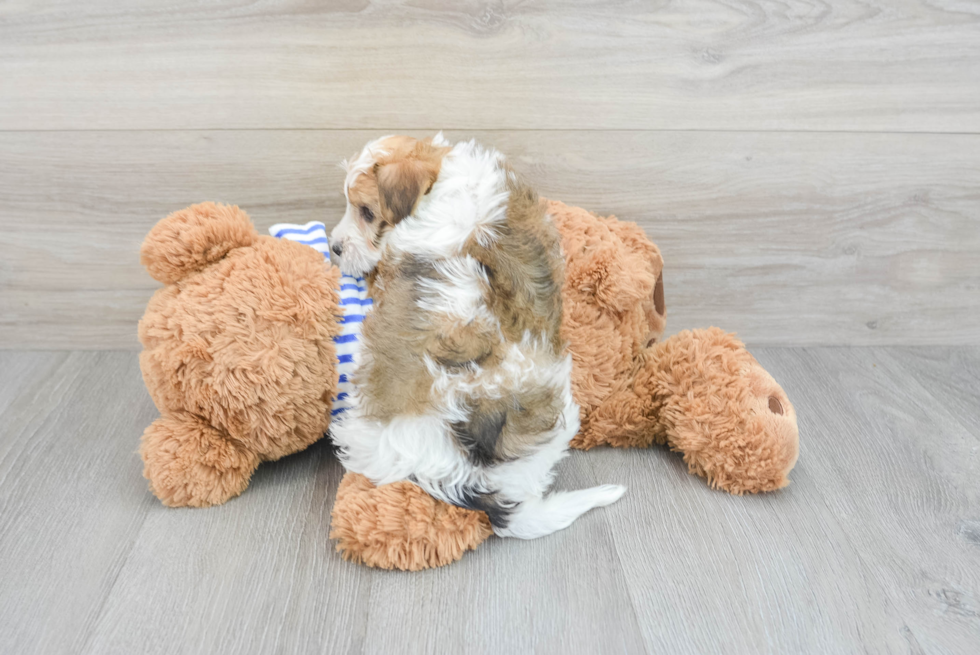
x,y
399,526
629,417
191,464
723,411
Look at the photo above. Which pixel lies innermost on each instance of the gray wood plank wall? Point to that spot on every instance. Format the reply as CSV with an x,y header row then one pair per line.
x,y
811,172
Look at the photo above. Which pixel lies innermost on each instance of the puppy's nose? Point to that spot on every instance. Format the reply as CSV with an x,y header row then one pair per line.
x,y
337,248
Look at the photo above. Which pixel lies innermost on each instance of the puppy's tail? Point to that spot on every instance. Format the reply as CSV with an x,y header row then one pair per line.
x,y
538,517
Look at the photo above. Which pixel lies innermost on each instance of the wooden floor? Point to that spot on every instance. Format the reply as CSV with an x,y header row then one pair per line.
x,y
874,548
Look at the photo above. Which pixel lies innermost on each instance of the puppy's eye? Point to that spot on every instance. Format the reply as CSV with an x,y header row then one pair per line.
x,y
367,214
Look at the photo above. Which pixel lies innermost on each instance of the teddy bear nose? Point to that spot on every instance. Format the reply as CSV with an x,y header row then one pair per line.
x,y
337,248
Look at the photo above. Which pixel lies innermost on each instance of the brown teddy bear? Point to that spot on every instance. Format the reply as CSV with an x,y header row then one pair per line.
x,y
238,352
239,360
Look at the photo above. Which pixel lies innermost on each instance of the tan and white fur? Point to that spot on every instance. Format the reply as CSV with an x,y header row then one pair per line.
x,y
463,383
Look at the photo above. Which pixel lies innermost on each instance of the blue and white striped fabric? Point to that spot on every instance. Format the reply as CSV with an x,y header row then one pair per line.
x,y
353,300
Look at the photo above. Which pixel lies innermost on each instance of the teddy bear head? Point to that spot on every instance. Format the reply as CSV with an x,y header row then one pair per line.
x,y
613,298
238,352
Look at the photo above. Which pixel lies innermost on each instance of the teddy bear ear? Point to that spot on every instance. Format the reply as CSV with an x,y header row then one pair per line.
x,y
193,238
613,277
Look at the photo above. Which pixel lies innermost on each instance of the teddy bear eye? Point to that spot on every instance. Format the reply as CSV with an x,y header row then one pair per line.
x,y
367,214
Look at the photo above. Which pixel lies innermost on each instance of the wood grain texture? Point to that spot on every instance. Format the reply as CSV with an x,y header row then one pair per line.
x,y
899,470
874,548
72,497
569,596
899,65
951,377
786,238
257,575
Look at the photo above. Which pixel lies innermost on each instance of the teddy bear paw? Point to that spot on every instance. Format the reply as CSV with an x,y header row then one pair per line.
x,y
191,464
399,526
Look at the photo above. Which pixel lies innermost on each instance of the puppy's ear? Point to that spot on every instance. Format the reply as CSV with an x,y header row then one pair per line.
x,y
403,182
401,185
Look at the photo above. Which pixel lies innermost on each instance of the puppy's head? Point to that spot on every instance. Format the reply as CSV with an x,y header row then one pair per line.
x,y
384,184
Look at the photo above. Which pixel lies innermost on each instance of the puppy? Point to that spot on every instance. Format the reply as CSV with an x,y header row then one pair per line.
x,y
463,381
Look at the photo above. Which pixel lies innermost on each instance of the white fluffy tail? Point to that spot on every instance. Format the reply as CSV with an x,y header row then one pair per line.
x,y
538,517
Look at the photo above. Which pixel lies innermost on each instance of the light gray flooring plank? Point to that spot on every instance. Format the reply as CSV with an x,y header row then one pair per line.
x,y
951,376
786,238
559,594
714,573
21,370
903,487
872,548
256,575
259,575
899,65
875,547
900,474
72,499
